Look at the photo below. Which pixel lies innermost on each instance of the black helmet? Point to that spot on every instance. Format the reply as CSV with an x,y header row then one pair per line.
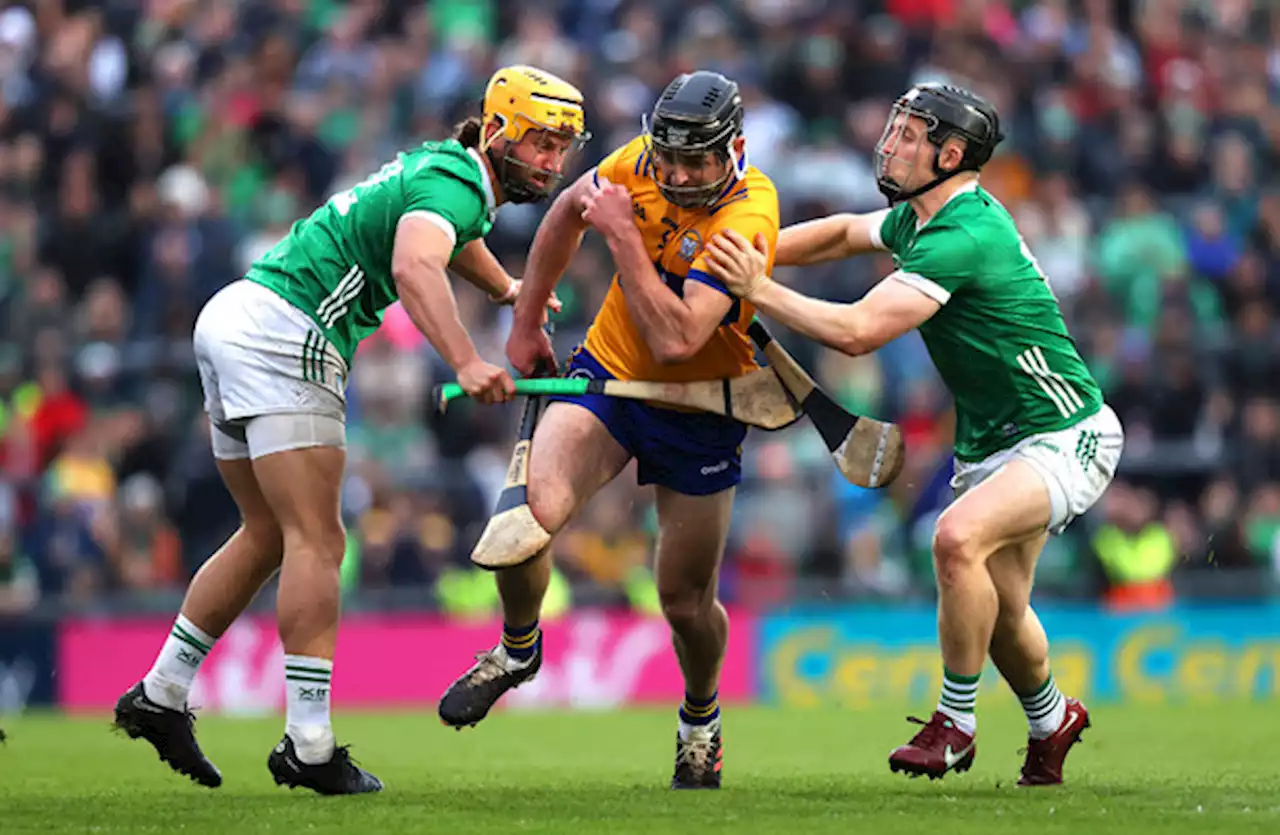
x,y
947,111
696,113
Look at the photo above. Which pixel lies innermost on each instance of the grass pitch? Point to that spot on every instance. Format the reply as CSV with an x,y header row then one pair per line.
x,y
1160,769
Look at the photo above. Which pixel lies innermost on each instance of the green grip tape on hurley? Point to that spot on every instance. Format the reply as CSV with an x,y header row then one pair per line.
x,y
529,387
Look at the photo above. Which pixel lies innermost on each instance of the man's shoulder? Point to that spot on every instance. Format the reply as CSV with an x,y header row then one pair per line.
x,y
447,157
751,194
628,164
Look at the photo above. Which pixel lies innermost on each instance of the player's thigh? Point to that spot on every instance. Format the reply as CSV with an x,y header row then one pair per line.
x,y
302,487
256,515
692,533
1010,507
572,456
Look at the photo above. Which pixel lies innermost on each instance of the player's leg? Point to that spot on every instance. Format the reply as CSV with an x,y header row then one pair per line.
x,y
572,456
692,531
155,708
1008,508
1020,650
1076,466
695,463
299,461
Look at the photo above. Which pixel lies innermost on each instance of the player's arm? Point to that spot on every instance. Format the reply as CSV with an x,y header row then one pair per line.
x,y
830,238
419,261
891,309
478,265
674,327
554,244
898,304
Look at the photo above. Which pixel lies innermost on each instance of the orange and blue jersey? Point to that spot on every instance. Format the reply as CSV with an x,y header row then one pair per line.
x,y
694,453
674,239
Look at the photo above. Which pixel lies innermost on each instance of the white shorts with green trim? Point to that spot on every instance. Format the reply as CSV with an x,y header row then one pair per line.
x,y
258,355
1077,465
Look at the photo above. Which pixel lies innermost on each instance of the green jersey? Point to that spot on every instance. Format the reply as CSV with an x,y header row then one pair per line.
x,y
335,265
999,342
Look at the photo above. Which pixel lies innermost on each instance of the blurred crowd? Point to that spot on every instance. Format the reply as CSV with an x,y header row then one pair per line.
x,y
150,151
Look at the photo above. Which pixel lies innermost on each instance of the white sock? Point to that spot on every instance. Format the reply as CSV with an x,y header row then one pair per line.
x,y
169,682
307,682
689,730
1046,709
959,697
509,663
967,722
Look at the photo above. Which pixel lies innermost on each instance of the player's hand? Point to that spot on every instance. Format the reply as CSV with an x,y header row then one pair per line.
x,y
607,207
739,264
486,382
554,305
527,348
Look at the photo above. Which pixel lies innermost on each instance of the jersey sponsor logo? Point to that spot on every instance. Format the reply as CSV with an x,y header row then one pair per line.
x,y
337,303
638,211
1054,385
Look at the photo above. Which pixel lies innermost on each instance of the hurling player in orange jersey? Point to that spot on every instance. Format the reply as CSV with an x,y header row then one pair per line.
x,y
656,200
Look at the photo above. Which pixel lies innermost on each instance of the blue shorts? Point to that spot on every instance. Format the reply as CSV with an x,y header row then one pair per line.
x,y
694,453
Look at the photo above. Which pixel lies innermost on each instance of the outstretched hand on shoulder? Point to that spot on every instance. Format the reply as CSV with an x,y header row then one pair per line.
x,y
740,264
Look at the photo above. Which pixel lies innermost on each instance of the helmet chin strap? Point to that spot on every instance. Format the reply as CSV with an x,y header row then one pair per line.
x,y
896,195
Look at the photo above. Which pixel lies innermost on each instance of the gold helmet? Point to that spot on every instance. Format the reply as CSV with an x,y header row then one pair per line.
x,y
521,99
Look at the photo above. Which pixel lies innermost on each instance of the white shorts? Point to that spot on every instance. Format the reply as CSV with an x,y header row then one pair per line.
x,y
259,355
1077,464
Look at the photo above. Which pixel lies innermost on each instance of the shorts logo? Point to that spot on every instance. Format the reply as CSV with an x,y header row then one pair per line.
x,y
580,373
1087,447
690,244
715,468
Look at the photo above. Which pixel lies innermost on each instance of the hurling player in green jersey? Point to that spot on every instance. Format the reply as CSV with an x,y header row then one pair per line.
x,y
274,351
1035,445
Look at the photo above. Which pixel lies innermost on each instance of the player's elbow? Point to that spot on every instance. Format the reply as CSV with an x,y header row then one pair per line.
x,y
674,350
853,345
854,338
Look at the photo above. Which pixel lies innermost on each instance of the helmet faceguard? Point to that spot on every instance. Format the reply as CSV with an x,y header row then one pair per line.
x,y
527,102
946,112
698,114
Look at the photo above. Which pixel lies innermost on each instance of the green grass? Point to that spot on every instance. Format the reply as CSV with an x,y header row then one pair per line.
x,y
1163,769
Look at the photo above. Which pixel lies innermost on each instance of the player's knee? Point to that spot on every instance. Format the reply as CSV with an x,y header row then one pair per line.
x,y
265,536
323,541
956,547
685,606
551,502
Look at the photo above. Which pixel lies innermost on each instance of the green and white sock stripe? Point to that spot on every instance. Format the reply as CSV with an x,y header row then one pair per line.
x,y
959,693
190,640
314,670
1042,702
